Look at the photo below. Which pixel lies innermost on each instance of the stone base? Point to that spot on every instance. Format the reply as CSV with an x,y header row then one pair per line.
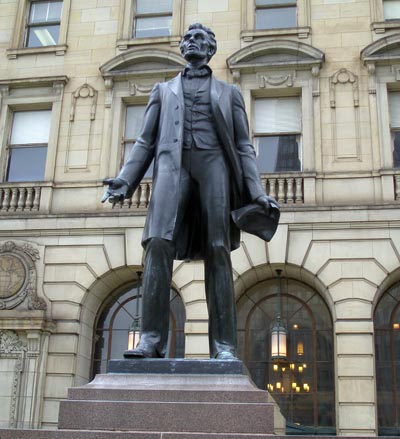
x,y
206,398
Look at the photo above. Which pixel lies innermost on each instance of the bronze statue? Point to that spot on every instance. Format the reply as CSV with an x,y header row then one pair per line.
x,y
195,128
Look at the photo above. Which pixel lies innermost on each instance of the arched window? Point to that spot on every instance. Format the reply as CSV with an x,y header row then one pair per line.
x,y
114,323
302,384
387,356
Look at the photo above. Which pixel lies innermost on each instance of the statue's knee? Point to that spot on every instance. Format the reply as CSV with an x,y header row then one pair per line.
x,y
158,245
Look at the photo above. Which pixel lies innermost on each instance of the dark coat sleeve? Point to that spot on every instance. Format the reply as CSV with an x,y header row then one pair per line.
x,y
142,152
245,149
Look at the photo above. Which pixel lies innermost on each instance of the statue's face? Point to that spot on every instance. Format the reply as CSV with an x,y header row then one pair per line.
x,y
195,45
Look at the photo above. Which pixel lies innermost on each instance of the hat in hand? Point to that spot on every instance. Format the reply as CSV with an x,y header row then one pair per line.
x,y
255,220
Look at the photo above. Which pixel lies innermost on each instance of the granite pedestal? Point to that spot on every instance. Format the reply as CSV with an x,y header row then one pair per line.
x,y
182,398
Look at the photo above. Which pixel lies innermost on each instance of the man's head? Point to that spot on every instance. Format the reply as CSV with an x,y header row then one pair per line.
x,y
198,43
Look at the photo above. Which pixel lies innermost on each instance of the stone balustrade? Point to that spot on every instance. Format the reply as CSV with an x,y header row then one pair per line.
x,y
285,188
16,198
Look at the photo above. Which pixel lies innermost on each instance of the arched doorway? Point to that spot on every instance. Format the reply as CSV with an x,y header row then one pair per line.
x,y
387,361
114,323
302,384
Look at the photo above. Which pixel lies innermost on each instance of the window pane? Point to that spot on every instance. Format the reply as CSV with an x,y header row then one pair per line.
x,y
153,6
43,36
394,109
396,149
277,154
55,11
274,18
30,127
27,164
277,115
391,9
41,12
38,13
133,121
153,27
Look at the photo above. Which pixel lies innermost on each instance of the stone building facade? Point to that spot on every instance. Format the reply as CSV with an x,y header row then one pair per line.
x,y
321,83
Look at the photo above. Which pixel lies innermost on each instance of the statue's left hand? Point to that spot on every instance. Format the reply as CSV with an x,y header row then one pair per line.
x,y
264,201
117,191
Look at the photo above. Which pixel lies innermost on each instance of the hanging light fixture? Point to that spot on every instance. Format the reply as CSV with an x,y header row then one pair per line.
x,y
278,332
134,330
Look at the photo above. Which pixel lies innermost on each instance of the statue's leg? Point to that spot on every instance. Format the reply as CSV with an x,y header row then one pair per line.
x,y
157,276
213,179
156,291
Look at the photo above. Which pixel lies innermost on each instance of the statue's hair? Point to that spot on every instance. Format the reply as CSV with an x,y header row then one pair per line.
x,y
211,38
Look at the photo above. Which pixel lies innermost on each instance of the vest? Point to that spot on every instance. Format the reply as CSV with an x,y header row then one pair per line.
x,y
199,125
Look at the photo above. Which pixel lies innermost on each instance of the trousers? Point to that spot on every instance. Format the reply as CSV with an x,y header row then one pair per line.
x,y
204,175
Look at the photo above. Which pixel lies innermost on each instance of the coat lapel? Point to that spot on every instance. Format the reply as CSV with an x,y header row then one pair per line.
x,y
176,87
218,101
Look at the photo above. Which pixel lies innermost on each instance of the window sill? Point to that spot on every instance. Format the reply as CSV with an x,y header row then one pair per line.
x,y
380,27
173,40
58,50
301,32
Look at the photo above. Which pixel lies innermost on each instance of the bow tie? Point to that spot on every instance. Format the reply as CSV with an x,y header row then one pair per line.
x,y
197,73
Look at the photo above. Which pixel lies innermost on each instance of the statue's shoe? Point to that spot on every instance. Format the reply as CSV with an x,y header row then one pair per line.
x,y
142,351
226,355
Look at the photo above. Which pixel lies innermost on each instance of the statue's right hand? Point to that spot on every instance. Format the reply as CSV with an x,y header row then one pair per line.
x,y
117,191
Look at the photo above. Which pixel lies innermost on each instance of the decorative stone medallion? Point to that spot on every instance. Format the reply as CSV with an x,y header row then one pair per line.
x,y
18,276
13,274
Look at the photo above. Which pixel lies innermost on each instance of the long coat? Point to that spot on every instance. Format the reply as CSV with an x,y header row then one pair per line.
x,y
161,139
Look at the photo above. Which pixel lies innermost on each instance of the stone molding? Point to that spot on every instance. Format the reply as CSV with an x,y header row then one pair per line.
x,y
11,343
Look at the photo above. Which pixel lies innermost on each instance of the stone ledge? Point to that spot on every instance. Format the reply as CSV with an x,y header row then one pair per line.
x,y
178,366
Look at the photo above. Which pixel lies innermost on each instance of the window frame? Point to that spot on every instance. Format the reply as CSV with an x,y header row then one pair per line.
x,y
277,5
11,146
248,23
393,129
19,36
253,299
47,94
379,24
137,16
298,134
29,25
127,18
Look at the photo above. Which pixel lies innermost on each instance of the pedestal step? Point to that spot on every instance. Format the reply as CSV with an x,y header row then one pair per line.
x,y
202,417
203,397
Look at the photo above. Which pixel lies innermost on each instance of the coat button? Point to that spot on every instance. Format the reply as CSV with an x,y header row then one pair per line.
x,y
177,107
176,122
175,140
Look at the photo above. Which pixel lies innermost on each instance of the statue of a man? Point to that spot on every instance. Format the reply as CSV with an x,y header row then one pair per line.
x,y
195,128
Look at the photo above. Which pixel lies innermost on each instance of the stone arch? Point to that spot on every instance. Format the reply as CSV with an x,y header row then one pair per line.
x,y
94,297
112,281
143,62
275,53
384,49
388,282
